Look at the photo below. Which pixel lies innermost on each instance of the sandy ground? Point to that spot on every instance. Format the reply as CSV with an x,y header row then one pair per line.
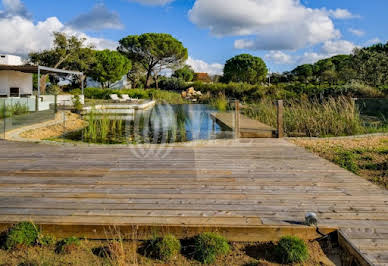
x,y
66,123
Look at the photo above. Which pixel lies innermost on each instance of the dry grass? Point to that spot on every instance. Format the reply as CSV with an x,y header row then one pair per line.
x,y
366,156
332,117
125,253
71,122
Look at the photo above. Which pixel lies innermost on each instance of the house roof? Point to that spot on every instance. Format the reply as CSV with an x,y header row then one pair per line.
x,y
34,69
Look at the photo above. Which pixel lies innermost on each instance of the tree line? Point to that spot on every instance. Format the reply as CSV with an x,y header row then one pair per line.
x,y
142,58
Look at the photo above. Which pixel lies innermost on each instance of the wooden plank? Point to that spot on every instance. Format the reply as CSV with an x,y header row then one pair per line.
x,y
249,128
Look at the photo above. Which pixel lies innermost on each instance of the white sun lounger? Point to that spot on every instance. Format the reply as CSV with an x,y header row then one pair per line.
x,y
116,98
129,99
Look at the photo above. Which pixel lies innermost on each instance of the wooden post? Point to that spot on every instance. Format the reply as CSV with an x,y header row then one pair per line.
x,y
280,119
237,120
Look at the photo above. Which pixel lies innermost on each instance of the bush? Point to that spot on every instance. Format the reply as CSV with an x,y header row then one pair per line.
x,y
291,249
166,97
174,84
67,245
220,103
207,246
163,248
24,233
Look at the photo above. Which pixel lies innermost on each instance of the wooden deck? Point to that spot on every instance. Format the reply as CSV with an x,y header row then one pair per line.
x,y
249,128
251,182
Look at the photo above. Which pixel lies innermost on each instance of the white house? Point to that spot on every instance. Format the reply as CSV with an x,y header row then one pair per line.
x,y
14,83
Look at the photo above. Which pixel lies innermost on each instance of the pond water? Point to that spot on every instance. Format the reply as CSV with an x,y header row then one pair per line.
x,y
161,124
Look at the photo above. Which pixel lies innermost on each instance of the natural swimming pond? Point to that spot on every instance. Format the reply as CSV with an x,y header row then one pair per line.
x,y
161,124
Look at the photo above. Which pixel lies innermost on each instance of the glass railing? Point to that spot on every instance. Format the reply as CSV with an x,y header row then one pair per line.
x,y
16,113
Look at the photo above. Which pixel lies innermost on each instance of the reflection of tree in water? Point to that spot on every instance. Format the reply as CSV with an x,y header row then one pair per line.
x,y
162,124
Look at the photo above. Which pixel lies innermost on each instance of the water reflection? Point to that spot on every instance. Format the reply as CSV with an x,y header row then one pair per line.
x,y
162,124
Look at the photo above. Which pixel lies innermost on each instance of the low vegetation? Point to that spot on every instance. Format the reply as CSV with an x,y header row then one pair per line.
x,y
208,246
12,110
364,156
163,248
332,117
291,250
22,234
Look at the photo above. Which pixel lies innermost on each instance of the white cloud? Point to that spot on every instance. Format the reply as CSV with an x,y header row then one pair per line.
x,y
341,14
277,24
14,8
338,47
200,66
279,57
98,18
356,32
310,58
328,49
153,2
21,36
373,41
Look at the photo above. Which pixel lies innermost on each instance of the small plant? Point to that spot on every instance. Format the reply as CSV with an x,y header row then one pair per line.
x,y
67,245
77,103
163,248
22,234
347,160
46,240
291,249
207,246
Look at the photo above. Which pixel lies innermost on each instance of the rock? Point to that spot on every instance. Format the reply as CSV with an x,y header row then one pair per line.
x,y
191,90
184,94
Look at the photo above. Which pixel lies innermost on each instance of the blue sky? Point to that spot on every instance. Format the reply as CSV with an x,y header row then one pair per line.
x,y
284,33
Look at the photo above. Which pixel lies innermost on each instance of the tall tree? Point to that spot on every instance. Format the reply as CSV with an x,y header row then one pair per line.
x,y
245,68
185,73
68,52
110,66
155,52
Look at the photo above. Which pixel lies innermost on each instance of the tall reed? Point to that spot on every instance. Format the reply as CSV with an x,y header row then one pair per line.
x,y
332,117
13,109
103,129
220,103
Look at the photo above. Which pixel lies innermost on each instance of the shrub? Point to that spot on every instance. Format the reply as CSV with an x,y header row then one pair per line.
x,y
67,245
207,246
220,103
24,233
291,249
174,84
163,248
166,97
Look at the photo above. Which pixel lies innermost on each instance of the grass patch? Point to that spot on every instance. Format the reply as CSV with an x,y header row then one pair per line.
x,y
22,234
291,249
67,245
208,246
163,248
365,156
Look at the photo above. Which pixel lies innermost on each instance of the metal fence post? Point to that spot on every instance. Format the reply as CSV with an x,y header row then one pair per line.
x,y
280,121
237,120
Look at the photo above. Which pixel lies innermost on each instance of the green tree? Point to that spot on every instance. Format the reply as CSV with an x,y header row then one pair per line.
x,y
304,72
245,68
136,74
155,52
110,66
185,73
68,52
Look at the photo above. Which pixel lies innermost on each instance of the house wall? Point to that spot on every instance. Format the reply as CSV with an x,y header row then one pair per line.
x,y
11,79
